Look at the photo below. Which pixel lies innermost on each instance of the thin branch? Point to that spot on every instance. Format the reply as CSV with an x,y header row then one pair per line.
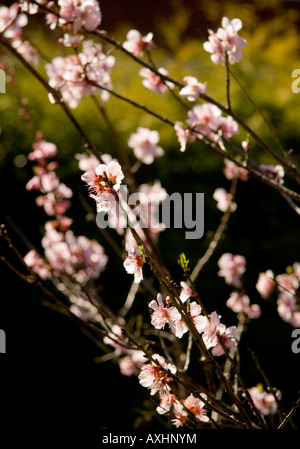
x,y
130,299
228,84
289,416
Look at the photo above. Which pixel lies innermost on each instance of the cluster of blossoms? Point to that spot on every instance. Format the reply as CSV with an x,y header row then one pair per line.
x,y
266,403
240,303
55,195
73,75
157,376
134,262
81,14
193,89
232,171
206,121
214,333
288,292
224,200
12,21
137,44
155,82
274,172
144,144
78,257
232,267
66,254
226,43
103,182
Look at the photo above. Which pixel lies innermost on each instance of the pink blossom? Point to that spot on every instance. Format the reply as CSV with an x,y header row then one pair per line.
x,y
228,127
230,39
27,51
106,202
49,182
34,183
116,339
29,7
287,283
111,174
180,414
76,256
144,144
224,200
288,308
193,88
66,75
228,340
145,214
216,48
265,402
232,171
205,119
150,197
196,406
37,264
51,21
87,162
131,364
11,23
296,270
273,172
265,284
133,264
167,400
152,193
184,135
210,326
186,291
68,40
232,267
42,150
154,82
103,183
197,318
245,145
240,303
180,326
70,75
137,44
161,315
53,204
84,14
253,311
153,375
226,42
